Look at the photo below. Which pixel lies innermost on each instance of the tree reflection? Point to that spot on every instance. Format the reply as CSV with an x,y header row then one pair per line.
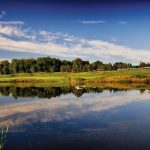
x,y
49,92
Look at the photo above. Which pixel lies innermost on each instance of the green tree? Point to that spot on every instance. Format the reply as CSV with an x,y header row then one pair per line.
x,y
77,65
5,67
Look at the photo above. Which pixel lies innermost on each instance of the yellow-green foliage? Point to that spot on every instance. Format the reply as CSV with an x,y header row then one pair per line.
x,y
126,76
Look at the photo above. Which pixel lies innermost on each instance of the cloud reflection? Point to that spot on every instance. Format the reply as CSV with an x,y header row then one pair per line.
x,y
64,107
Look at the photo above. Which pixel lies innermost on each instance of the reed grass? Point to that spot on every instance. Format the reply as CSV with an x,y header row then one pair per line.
x,y
3,137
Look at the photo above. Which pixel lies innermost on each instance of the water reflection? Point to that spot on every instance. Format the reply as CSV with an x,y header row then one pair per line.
x,y
67,106
49,92
75,117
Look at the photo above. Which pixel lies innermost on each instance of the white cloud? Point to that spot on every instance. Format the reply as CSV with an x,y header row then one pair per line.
x,y
2,14
112,38
2,59
122,22
91,21
99,22
31,47
11,22
18,39
11,31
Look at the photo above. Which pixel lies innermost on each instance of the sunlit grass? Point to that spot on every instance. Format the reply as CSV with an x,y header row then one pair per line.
x,y
135,76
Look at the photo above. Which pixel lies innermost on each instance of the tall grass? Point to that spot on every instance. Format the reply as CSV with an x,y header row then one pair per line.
x,y
3,137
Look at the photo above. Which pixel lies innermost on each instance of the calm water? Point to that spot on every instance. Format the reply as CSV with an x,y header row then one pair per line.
x,y
66,118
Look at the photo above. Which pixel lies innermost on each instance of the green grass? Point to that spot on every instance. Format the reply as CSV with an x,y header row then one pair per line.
x,y
133,76
32,77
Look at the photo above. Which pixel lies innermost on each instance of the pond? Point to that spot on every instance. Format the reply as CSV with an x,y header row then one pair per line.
x,y
75,118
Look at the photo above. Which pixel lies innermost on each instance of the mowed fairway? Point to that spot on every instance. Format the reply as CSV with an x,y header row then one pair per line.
x,y
126,76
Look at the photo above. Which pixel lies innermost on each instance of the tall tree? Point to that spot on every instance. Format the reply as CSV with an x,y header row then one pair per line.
x,y
5,67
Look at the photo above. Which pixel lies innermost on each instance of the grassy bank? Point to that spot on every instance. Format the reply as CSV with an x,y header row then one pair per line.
x,y
126,76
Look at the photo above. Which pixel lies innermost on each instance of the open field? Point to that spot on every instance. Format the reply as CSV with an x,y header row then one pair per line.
x,y
126,76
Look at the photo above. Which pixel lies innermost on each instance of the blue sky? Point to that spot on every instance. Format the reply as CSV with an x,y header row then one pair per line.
x,y
93,30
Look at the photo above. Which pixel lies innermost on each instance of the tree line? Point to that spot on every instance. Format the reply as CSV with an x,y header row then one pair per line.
x,y
48,64
143,64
